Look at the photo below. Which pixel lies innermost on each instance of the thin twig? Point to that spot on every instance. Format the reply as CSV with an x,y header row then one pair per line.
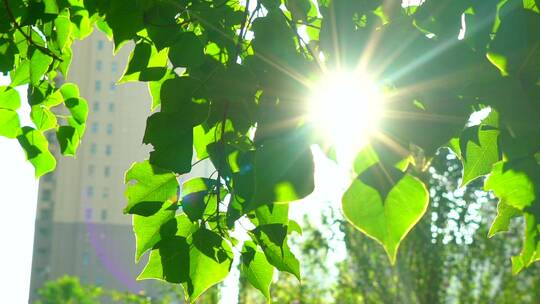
x,y
28,38
301,41
200,160
309,25
221,156
241,34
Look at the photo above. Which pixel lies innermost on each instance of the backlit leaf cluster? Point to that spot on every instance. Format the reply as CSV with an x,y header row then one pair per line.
x,y
228,82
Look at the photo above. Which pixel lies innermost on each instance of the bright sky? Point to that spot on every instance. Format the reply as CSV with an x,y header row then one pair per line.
x,y
18,197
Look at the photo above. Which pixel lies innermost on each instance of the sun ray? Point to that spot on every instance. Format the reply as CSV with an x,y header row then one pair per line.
x,y
391,143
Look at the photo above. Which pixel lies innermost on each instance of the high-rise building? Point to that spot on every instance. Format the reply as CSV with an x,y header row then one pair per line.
x,y
80,228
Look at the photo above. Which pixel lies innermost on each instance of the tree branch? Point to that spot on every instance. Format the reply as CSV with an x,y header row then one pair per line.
x,y
28,38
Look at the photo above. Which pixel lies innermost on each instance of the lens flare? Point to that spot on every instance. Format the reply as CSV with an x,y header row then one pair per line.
x,y
346,109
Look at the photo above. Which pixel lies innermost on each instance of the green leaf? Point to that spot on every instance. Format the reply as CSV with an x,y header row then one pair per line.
x,y
171,151
294,227
68,137
7,55
169,258
83,25
187,51
183,95
531,5
53,99
43,118
63,66
9,98
21,75
145,63
197,260
78,107
272,214
104,28
479,151
195,197
291,180
299,8
505,213
210,260
69,90
10,125
161,23
149,187
511,182
499,61
62,25
148,229
366,158
387,210
51,7
125,23
205,139
39,64
155,89
36,147
516,40
80,127
256,268
530,252
272,238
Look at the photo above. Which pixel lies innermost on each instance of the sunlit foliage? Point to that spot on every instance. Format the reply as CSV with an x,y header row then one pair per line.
x,y
230,80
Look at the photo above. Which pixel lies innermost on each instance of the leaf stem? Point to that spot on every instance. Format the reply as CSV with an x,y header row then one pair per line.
x,y
28,37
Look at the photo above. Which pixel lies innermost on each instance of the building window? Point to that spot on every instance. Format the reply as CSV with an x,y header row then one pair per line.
x,y
95,106
111,107
114,66
42,251
107,171
44,231
100,45
46,195
89,191
91,170
93,149
105,193
97,86
45,214
40,271
88,213
94,127
98,65
109,129
85,259
113,86
47,177
108,150
103,215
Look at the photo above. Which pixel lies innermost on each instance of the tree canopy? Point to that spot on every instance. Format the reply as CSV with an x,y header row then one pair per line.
x,y
229,81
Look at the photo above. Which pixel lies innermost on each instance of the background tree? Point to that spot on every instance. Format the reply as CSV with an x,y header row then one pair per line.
x,y
69,290
318,283
445,258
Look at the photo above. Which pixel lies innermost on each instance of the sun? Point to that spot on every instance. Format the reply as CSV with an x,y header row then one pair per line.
x,y
346,108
